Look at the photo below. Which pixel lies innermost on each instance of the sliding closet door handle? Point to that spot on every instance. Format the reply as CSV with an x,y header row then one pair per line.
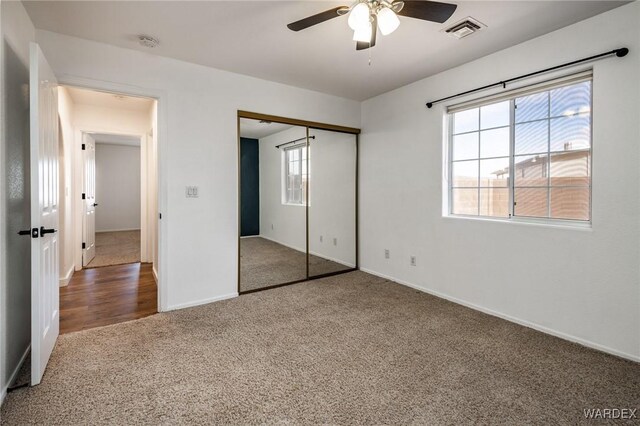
x,y
44,230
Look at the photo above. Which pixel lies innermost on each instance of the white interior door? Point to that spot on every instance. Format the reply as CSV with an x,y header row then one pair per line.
x,y
89,199
45,302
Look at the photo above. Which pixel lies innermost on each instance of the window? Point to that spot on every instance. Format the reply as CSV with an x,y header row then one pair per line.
x,y
524,156
295,175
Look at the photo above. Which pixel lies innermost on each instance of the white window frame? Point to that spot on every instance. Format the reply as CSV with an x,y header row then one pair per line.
x,y
544,86
286,190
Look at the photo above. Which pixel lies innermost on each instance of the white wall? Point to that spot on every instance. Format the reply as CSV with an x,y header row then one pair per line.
x,y
198,109
110,120
117,187
66,255
579,284
332,195
283,223
332,210
152,189
15,251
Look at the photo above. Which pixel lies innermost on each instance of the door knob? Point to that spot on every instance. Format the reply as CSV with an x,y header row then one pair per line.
x,y
25,232
95,204
44,230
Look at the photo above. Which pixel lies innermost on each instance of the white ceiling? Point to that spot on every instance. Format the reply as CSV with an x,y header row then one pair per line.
x,y
250,37
116,139
254,129
109,100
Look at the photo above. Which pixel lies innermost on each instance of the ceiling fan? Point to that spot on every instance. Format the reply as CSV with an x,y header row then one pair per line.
x,y
367,16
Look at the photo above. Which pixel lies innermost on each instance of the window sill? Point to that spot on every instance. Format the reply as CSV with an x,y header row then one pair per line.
x,y
294,205
557,223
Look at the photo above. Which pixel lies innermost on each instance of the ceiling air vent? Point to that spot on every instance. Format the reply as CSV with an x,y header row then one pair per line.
x,y
464,28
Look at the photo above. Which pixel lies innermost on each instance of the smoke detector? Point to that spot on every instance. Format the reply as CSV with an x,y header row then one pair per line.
x,y
464,28
148,41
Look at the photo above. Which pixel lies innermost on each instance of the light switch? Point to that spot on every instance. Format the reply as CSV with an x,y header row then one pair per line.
x,y
191,192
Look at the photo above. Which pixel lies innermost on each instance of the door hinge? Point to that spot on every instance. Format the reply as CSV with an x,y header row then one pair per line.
x,y
84,147
84,246
160,215
84,196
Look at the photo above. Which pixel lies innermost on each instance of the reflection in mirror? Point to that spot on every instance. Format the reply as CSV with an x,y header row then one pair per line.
x,y
332,202
273,196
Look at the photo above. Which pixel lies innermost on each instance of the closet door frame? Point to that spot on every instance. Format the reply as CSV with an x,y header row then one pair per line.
x,y
308,125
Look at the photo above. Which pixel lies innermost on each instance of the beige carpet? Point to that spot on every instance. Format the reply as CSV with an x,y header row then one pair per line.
x,y
349,349
264,263
116,248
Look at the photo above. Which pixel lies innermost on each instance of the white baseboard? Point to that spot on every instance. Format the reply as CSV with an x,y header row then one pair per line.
x,y
202,302
510,318
251,236
14,375
64,280
349,265
304,251
155,273
117,230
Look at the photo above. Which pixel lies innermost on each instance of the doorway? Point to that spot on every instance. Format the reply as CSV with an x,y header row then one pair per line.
x,y
112,175
111,192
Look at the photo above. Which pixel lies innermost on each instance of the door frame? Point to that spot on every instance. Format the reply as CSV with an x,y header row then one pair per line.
x,y
160,96
308,125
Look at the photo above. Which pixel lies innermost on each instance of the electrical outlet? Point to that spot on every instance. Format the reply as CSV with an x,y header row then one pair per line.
x,y
387,254
320,238
335,241
191,192
413,261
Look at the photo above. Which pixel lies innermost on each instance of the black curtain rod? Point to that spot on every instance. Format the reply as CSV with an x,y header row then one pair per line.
x,y
618,52
297,140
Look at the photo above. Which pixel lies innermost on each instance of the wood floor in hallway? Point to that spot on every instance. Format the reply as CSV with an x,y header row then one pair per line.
x,y
108,295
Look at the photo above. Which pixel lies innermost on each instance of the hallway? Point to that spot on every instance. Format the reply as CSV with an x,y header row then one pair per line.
x,y
108,295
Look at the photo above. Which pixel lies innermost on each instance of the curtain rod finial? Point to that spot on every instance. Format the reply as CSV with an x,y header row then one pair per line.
x,y
429,104
622,52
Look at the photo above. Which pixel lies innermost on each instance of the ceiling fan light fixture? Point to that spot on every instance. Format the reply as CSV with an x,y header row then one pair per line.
x,y
363,34
388,21
359,16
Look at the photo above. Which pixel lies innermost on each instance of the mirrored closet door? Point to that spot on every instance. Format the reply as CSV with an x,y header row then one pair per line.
x,y
332,205
273,200
297,212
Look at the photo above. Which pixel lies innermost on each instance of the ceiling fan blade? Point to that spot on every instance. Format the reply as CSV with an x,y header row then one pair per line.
x,y
362,45
428,10
316,19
